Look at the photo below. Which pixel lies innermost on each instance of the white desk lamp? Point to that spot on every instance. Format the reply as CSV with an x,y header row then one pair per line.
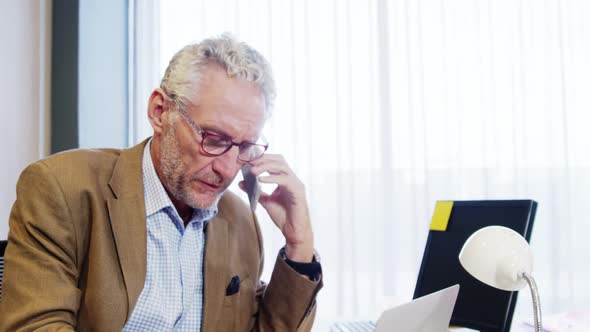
x,y
501,258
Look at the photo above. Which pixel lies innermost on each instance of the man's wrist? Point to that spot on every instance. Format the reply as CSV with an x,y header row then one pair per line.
x,y
299,253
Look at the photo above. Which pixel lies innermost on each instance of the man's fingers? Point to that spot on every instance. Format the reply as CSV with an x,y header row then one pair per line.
x,y
274,164
242,185
272,168
281,180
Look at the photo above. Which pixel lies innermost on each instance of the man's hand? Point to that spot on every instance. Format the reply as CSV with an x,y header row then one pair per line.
x,y
286,205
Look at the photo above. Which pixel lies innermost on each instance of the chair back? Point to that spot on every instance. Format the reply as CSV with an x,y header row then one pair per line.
x,y
2,249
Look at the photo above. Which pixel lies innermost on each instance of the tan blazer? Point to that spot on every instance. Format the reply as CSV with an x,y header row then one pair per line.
x,y
76,257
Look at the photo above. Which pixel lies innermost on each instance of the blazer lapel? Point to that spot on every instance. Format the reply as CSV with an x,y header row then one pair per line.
x,y
128,220
216,271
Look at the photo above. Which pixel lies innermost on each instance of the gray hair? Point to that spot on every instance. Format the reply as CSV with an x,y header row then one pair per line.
x,y
238,58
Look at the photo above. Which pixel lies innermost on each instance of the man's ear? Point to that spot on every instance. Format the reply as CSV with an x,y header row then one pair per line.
x,y
157,106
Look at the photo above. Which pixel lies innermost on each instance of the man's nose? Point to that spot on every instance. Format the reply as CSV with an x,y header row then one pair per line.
x,y
228,164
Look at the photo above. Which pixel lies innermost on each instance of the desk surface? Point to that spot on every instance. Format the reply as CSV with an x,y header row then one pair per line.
x,y
369,326
516,327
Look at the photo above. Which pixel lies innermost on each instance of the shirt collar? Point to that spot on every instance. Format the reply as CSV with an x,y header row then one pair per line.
x,y
156,197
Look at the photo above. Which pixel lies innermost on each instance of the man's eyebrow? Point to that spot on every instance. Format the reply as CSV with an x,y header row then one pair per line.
x,y
216,130
212,128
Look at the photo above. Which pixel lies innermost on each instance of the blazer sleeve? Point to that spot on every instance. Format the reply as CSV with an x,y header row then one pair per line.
x,y
41,274
288,302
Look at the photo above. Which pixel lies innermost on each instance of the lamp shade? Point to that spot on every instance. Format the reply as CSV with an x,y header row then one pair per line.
x,y
497,256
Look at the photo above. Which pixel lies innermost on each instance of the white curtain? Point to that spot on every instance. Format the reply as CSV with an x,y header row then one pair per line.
x,y
385,107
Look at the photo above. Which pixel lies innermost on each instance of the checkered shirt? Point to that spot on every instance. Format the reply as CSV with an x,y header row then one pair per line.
x,y
172,296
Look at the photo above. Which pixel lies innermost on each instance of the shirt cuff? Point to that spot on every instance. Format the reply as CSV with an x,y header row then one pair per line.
x,y
312,270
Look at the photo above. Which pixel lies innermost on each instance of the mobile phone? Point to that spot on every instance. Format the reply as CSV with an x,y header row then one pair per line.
x,y
252,186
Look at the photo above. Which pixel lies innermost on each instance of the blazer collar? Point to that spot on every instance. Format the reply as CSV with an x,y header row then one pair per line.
x,y
128,220
217,271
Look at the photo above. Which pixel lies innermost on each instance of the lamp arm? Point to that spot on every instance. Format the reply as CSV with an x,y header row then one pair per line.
x,y
536,302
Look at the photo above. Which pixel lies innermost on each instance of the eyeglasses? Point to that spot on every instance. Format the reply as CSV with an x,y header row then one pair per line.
x,y
214,144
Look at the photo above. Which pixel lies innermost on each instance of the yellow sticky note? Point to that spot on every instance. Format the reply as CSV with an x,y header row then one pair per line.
x,y
440,218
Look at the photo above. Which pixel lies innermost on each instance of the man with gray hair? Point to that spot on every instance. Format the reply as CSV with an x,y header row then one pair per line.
x,y
148,238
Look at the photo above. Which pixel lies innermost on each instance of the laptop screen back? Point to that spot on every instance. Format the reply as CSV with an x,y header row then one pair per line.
x,y
430,313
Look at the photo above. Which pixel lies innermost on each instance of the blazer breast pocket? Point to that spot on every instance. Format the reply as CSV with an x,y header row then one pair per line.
x,y
239,305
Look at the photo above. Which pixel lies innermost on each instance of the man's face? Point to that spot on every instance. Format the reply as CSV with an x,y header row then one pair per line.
x,y
227,106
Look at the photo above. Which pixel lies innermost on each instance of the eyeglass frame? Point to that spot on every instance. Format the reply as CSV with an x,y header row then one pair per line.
x,y
204,134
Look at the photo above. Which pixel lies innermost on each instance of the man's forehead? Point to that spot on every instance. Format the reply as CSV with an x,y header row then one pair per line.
x,y
215,81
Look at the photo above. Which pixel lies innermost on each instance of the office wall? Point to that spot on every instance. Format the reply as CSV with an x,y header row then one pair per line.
x,y
23,83
89,86
89,95
102,74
